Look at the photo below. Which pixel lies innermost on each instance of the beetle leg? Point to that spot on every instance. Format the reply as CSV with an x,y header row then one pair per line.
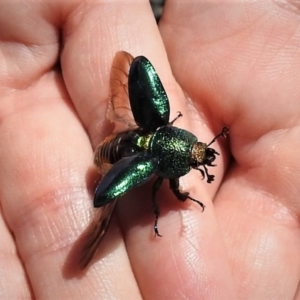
x,y
178,116
210,178
156,186
202,173
174,186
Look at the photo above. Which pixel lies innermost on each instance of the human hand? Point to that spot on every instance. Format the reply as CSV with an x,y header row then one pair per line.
x,y
49,122
239,63
56,60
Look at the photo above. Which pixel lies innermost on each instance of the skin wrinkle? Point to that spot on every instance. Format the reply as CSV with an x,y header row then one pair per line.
x,y
265,248
262,247
191,258
177,269
253,257
181,281
289,5
262,203
277,211
29,54
90,63
33,213
272,56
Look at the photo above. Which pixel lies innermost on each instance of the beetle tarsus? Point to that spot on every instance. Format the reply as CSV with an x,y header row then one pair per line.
x,y
210,178
199,202
174,186
225,132
156,186
156,233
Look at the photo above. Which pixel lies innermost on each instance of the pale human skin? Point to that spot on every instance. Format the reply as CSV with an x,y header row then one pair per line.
x,y
239,62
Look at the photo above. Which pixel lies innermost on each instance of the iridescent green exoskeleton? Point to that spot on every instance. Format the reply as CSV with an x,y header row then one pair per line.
x,y
151,145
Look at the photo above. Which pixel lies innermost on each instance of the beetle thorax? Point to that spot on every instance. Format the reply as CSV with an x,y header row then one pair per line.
x,y
198,153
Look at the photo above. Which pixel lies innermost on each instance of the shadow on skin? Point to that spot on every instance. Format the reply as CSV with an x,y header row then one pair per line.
x,y
71,267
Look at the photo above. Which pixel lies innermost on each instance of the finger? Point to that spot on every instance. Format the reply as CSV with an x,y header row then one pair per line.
x,y
240,79
11,268
99,43
14,280
46,157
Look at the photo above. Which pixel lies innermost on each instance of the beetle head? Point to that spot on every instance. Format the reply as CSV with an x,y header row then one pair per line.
x,y
203,156
210,156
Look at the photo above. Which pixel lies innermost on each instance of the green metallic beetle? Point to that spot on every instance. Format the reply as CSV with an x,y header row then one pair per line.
x,y
153,147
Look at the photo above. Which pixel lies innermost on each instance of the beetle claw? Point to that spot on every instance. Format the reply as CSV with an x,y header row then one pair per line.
x,y
210,178
156,233
199,202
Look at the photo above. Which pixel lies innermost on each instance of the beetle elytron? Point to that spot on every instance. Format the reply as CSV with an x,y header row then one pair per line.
x,y
153,147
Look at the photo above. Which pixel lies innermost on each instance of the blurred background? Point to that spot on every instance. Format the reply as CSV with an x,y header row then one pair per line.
x,y
157,7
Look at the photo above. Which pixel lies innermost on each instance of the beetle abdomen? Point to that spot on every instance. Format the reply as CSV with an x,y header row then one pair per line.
x,y
114,148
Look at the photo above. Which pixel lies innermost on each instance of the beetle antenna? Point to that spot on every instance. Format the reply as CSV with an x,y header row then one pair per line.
x,y
223,133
